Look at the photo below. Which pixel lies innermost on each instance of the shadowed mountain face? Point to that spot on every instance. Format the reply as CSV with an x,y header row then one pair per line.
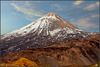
x,y
83,51
49,29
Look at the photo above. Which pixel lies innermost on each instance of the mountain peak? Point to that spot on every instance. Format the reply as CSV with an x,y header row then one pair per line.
x,y
51,14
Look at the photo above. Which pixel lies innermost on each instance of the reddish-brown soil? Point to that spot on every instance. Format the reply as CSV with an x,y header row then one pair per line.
x,y
83,51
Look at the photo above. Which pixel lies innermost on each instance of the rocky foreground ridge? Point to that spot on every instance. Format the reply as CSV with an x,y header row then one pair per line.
x,y
83,51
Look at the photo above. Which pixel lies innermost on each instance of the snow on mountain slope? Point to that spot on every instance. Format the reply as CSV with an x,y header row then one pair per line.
x,y
44,31
44,22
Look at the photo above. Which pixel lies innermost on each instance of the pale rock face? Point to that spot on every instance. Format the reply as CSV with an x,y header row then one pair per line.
x,y
44,31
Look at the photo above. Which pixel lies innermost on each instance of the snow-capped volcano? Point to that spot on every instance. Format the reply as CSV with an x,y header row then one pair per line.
x,y
44,31
50,23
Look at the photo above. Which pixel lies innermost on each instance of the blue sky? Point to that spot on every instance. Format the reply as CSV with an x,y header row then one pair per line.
x,y
16,14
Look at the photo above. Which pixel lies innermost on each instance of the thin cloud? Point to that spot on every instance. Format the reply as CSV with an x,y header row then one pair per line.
x,y
92,6
58,7
84,23
14,13
76,3
27,3
95,16
30,18
71,19
27,11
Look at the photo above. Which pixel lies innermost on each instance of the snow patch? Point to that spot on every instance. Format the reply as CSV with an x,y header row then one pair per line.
x,y
52,33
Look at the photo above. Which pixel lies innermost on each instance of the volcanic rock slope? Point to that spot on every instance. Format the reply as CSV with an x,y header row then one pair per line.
x,y
77,52
44,31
